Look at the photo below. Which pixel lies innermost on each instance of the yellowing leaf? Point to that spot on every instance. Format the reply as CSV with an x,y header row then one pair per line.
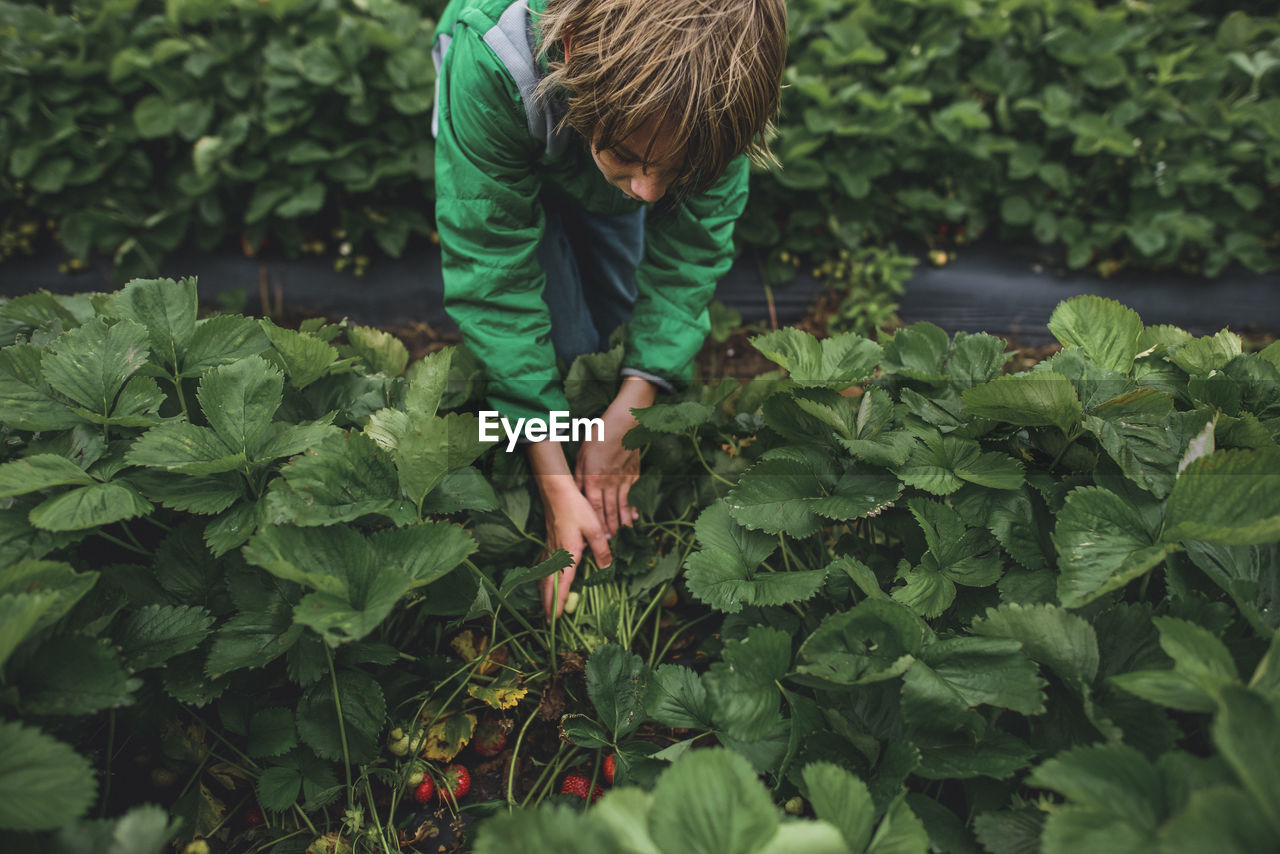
x,y
503,693
447,737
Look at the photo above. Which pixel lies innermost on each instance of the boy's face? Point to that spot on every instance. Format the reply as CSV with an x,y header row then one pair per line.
x,y
622,164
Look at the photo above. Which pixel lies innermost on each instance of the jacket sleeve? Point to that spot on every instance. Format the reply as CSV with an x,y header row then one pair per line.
x,y
490,223
687,249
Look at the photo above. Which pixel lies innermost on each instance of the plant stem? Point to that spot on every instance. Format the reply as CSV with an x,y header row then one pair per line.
x,y
511,777
122,544
693,438
342,727
106,777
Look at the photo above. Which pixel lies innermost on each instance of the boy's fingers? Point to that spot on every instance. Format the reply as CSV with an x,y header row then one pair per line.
x,y
600,547
611,511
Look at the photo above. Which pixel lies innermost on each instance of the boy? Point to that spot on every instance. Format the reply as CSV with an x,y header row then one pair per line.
x,y
591,159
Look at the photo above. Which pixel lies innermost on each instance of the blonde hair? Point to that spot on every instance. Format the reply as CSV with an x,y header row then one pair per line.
x,y
712,69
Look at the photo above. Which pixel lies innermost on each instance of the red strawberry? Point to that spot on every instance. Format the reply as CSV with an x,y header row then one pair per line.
x,y
490,738
610,762
425,790
578,786
456,783
253,816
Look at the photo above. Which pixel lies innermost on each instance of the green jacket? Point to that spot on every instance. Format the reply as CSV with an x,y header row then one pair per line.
x,y
493,159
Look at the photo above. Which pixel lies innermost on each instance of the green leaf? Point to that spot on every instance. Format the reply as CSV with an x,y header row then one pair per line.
x,y
200,494
842,799
253,639
152,635
874,641
618,683
560,559
917,352
305,357
1107,331
74,675
1010,831
710,802
278,788
1041,399
90,507
432,446
1247,732
555,827
1058,639
1197,653
1230,497
40,471
43,782
1221,819
1202,356
380,350
141,830
811,837
28,400
592,381
836,362
20,614
1103,544
742,688
975,359
239,400
953,676
941,464
356,587
900,832
1166,688
675,417
272,733
958,756
154,117
1111,782
583,732
222,340
184,447
90,364
167,309
364,709
678,699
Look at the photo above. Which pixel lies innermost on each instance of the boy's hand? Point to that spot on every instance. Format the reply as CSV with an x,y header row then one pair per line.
x,y
606,471
571,522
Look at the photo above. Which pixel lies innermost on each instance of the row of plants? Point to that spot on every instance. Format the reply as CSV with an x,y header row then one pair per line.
x,y
264,589
1135,133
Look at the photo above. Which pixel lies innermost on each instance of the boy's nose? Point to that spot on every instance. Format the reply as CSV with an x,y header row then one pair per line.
x,y
649,188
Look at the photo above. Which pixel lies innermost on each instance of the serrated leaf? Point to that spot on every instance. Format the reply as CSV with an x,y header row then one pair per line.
x,y
1221,819
152,635
91,363
1166,688
836,362
1115,796
1107,331
678,698
380,350
44,783
1103,544
1058,639
675,417
958,756
168,311
272,733
40,471
200,494
186,448
29,403
364,709
953,676
222,340
842,799
1230,497
618,683
278,788
74,675
304,357
1010,831
710,802
900,832
90,507
342,478
941,465
253,639
917,352
874,641
239,401
1041,399
975,359
1202,356
1247,732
